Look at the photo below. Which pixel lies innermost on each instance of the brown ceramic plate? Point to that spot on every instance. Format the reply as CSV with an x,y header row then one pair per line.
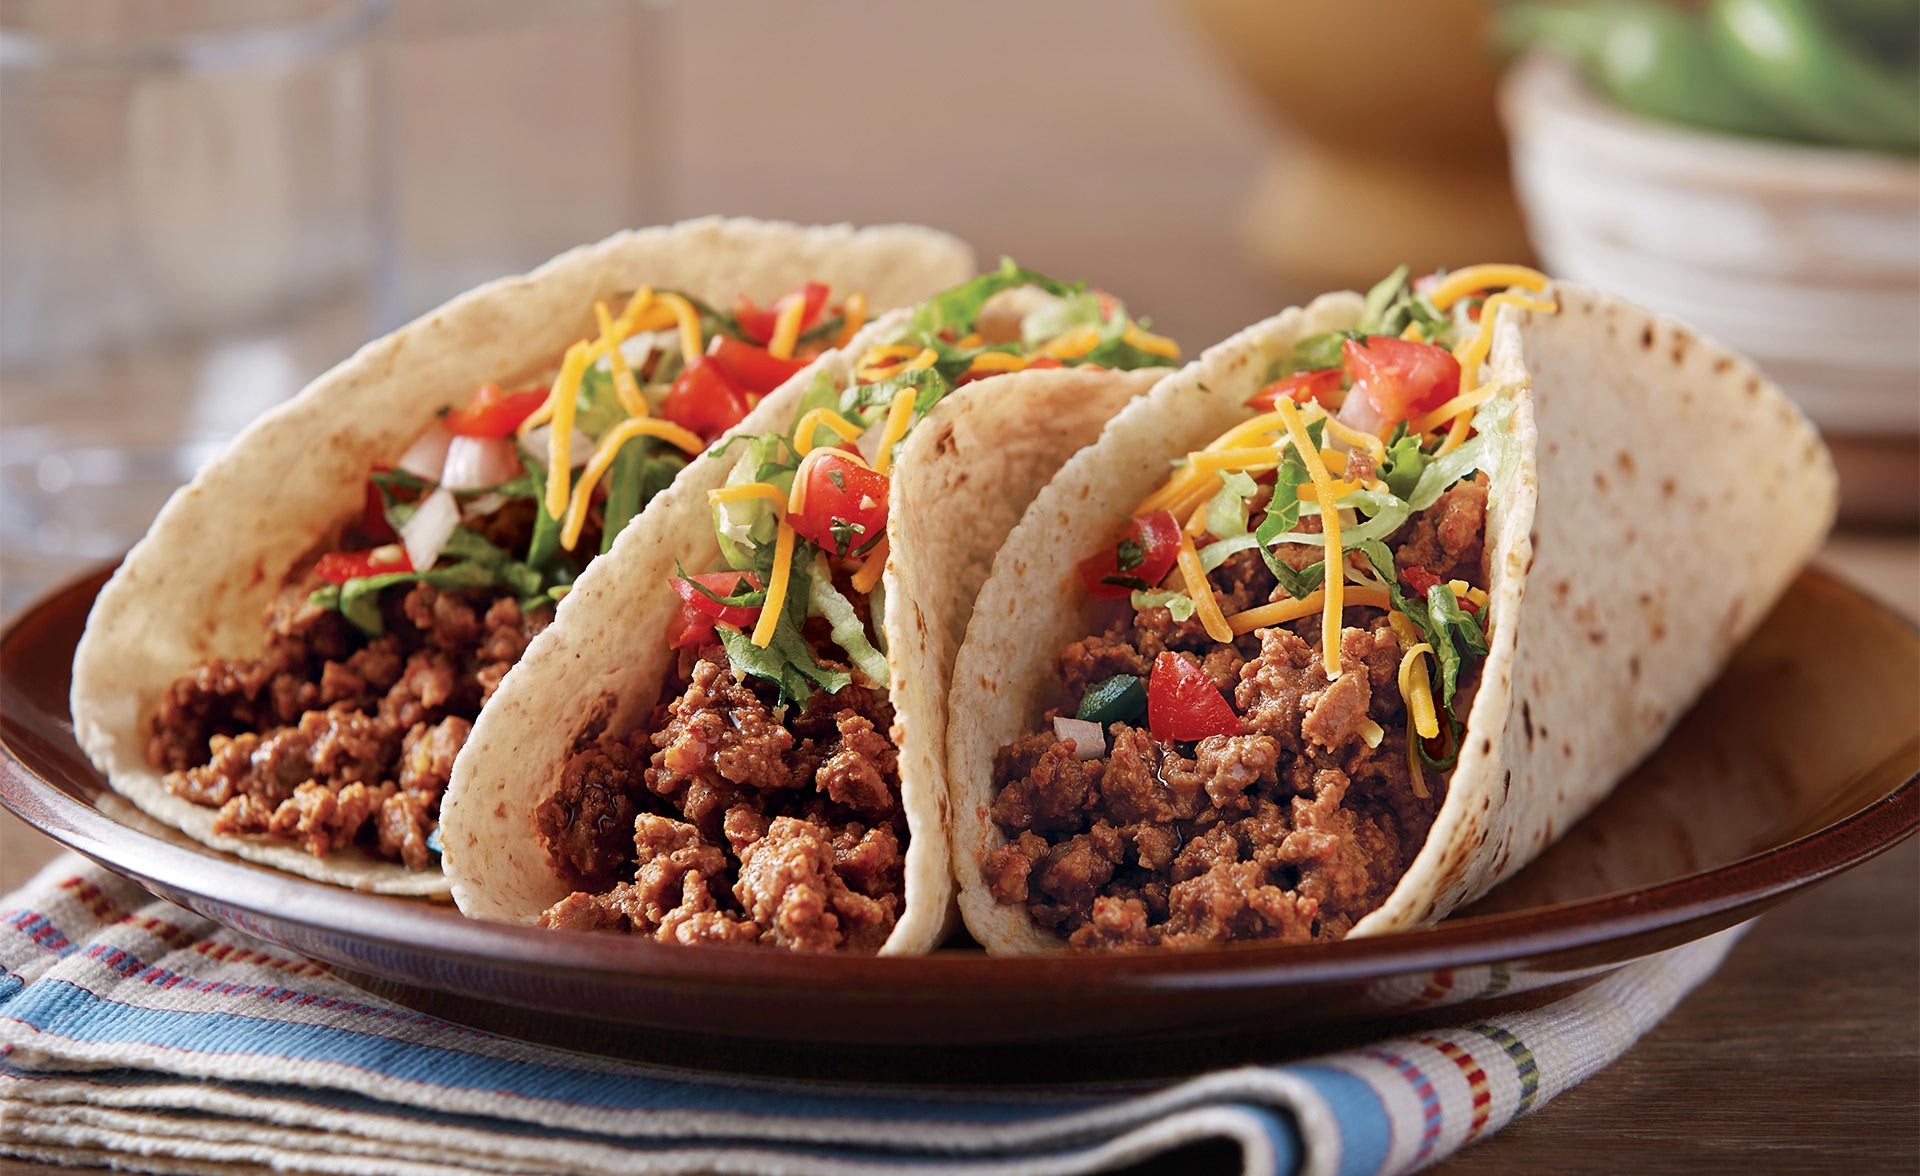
x,y
1799,763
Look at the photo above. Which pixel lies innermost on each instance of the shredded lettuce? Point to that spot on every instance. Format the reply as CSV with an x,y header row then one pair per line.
x,y
359,598
1406,461
599,408
1177,603
787,661
1227,510
743,528
1491,448
959,307
1080,309
1383,295
848,633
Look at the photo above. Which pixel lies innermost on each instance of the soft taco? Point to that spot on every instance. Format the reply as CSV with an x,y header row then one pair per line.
x,y
287,665
733,731
1556,515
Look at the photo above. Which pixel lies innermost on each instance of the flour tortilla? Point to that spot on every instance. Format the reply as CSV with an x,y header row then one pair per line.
x,y
1656,496
197,586
959,484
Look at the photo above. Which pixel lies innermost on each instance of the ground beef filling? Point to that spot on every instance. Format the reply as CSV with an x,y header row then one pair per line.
x,y
331,738
1291,831
729,819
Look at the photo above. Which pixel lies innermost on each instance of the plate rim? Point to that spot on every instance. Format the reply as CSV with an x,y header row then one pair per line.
x,y
436,929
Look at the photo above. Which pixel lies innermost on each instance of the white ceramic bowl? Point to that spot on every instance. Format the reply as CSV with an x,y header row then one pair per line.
x,y
1805,258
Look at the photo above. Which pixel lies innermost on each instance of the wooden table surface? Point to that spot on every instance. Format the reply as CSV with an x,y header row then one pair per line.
x,y
1131,156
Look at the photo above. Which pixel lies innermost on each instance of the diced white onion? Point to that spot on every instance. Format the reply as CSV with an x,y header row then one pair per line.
x,y
1358,412
474,463
482,506
427,456
869,444
538,442
1088,740
637,349
1371,732
429,529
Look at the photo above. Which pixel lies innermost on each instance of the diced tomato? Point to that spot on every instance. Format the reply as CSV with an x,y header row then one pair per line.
x,y
845,494
699,612
373,517
493,413
337,567
720,584
1044,362
1400,377
688,628
1419,579
751,369
758,324
704,399
1322,387
1183,704
1152,544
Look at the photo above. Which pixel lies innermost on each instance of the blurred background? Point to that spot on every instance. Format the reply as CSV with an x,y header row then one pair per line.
x,y
204,204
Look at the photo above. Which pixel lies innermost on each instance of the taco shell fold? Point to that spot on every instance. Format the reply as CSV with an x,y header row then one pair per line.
x,y
1653,498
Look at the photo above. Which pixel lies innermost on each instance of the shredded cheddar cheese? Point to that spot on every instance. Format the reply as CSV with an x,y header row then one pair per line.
x,y
564,398
817,418
747,493
1416,690
1462,282
1197,521
1204,604
603,455
1460,405
992,362
1150,343
624,385
880,363
1330,527
899,417
637,305
689,320
786,329
1279,612
1074,343
854,311
1339,489
1456,436
875,566
777,588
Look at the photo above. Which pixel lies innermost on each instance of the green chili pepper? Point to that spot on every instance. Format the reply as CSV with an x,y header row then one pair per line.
x,y
1120,699
1805,70
1648,57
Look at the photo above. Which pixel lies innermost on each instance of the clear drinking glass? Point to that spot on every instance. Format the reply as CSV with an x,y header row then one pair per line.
x,y
192,222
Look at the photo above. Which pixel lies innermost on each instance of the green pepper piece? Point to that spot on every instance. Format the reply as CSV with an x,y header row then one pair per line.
x,y
1649,58
1787,54
1119,699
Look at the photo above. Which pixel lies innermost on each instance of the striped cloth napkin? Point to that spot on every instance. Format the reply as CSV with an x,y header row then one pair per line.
x,y
138,1035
